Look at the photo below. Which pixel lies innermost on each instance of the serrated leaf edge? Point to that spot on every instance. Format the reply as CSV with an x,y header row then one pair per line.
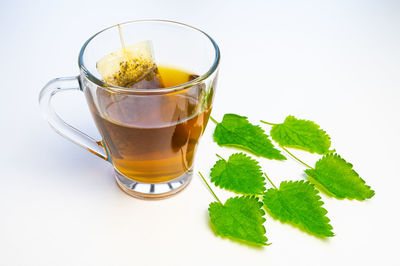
x,y
212,179
298,225
324,189
279,156
300,147
263,220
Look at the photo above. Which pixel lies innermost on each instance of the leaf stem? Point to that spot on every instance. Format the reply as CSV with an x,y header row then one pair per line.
x,y
268,123
215,196
220,157
212,119
294,157
270,181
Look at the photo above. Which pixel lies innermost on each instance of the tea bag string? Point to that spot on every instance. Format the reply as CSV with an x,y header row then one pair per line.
x,y
121,37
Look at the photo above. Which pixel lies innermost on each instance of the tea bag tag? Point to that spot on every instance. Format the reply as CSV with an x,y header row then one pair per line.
x,y
131,67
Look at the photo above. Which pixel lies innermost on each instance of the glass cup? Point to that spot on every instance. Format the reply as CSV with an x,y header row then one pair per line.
x,y
150,136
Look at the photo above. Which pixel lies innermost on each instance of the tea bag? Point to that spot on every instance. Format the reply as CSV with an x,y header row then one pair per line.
x,y
131,67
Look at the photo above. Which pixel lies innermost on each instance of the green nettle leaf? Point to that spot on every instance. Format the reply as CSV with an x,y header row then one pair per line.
x,y
240,174
301,134
294,202
338,178
239,218
298,203
236,131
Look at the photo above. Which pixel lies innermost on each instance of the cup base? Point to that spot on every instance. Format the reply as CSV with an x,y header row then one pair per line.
x,y
149,191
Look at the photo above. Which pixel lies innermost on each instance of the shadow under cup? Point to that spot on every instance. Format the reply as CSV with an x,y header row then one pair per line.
x,y
149,135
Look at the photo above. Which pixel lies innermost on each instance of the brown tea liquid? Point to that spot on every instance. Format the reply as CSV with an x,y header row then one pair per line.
x,y
151,139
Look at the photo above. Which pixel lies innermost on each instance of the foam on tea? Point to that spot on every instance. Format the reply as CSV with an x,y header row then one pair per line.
x,y
131,67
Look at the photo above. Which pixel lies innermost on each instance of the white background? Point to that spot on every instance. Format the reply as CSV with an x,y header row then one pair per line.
x,y
334,62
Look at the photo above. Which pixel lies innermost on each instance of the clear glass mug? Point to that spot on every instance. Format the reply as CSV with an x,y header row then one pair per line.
x,y
149,136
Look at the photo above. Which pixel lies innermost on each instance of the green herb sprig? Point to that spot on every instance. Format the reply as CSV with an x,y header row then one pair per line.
x,y
294,202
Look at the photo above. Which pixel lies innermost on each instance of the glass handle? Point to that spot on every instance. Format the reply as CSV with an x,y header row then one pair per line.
x,y
61,85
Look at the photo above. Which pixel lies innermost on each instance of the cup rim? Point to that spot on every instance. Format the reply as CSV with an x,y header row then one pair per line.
x,y
180,87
